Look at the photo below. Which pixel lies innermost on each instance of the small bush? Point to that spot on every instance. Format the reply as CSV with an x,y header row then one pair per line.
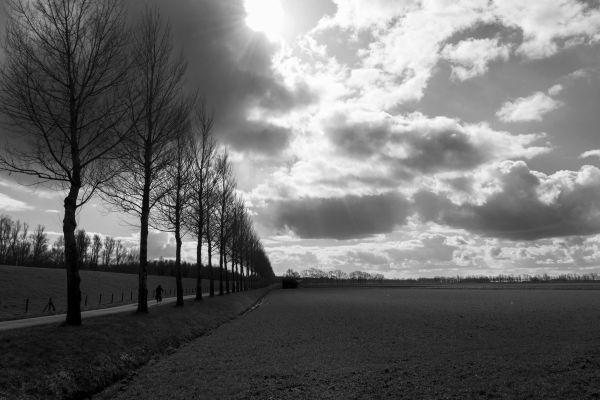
x,y
289,283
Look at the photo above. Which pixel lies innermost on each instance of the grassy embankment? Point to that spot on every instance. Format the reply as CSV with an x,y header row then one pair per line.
x,y
73,362
17,284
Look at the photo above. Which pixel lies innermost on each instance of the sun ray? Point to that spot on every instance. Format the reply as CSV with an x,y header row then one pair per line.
x,y
265,16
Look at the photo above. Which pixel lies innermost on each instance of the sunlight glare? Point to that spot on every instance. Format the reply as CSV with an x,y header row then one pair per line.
x,y
265,16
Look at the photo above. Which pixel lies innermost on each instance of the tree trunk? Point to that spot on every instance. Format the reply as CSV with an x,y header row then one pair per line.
x,y
242,277
178,269
210,267
233,275
143,272
226,274
236,283
221,270
71,258
199,266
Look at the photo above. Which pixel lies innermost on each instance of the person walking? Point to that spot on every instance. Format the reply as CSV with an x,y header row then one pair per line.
x,y
50,306
158,294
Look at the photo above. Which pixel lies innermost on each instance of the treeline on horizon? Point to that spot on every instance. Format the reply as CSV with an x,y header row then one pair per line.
x,y
316,274
21,247
97,102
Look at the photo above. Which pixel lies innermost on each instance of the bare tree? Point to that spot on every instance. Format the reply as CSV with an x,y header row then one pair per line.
x,y
60,89
169,211
154,109
235,238
58,251
225,191
5,234
120,252
13,241
239,243
82,241
210,230
39,244
196,213
95,250
109,247
22,246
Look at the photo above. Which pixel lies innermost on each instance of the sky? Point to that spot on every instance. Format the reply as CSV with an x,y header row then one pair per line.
x,y
407,138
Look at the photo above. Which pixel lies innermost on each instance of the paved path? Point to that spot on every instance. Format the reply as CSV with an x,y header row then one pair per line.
x,y
58,318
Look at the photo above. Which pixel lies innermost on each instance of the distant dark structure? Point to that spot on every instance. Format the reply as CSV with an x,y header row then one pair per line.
x,y
288,282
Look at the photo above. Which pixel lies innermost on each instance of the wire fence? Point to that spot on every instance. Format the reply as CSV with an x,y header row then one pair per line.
x,y
38,304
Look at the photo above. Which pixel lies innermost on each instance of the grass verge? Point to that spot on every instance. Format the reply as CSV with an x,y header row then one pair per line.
x,y
102,289
62,362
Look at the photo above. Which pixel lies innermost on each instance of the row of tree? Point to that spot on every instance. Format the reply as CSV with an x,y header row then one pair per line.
x,y
317,273
98,102
19,246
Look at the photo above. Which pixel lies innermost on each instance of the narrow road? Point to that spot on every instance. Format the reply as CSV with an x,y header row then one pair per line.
x,y
58,318
389,343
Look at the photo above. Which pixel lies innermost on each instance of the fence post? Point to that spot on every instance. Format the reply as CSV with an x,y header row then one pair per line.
x,y
112,297
86,296
122,296
100,299
131,295
27,306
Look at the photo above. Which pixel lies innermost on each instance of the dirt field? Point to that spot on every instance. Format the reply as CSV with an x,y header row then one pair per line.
x,y
38,284
390,343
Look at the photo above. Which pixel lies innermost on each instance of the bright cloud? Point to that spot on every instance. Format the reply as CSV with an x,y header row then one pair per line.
x,y
590,153
531,108
470,58
7,203
549,26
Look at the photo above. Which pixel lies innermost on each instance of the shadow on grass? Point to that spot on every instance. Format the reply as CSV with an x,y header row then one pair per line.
x,y
74,362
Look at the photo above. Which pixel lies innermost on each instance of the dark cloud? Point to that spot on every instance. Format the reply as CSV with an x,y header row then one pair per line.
x,y
342,218
487,30
231,66
431,147
518,212
358,139
260,137
442,150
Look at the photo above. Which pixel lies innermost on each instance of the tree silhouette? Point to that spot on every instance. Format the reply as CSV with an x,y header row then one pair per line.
x,y
39,244
155,111
225,191
61,90
176,188
197,212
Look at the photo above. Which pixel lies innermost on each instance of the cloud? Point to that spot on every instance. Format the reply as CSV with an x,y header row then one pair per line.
x,y
527,205
549,26
342,218
261,137
530,108
7,203
423,144
428,249
590,153
470,58
231,66
160,244
555,90
397,42
369,258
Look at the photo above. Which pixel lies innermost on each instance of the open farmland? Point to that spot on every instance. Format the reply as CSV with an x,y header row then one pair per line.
x,y
364,343
17,284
